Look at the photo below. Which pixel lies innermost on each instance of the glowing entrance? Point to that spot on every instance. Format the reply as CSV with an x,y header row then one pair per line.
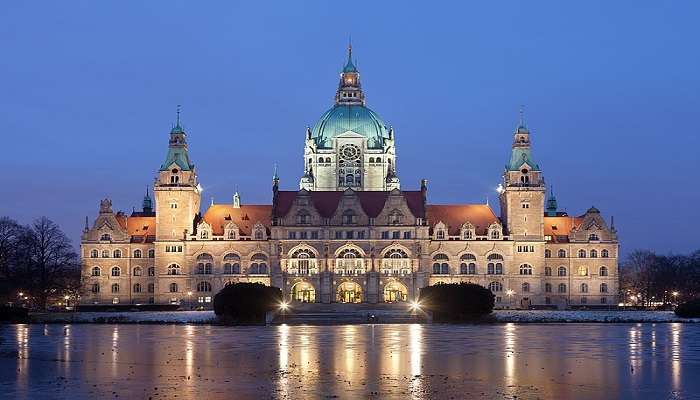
x,y
349,292
395,291
304,292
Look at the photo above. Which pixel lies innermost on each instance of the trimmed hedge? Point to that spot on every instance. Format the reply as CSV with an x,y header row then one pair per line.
x,y
456,301
689,309
246,302
13,314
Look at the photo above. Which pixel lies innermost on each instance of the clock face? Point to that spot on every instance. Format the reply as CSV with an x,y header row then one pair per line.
x,y
349,152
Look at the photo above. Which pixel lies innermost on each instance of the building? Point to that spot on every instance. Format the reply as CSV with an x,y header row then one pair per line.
x,y
350,233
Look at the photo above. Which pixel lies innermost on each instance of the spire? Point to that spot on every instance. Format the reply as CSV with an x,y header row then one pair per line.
x,y
275,178
551,203
522,127
147,203
349,88
87,227
177,148
236,200
521,153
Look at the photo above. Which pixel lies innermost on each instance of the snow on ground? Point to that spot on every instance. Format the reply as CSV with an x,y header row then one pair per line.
x,y
207,317
588,316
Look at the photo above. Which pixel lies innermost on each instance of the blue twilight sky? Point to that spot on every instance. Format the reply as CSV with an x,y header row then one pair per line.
x,y
611,92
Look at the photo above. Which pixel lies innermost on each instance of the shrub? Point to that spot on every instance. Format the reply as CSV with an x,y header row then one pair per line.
x,y
246,302
457,301
13,314
689,309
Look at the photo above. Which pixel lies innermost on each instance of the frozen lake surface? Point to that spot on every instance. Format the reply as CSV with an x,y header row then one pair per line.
x,y
557,361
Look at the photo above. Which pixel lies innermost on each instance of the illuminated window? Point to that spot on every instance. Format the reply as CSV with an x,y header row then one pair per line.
x,y
525,269
604,254
584,288
105,253
561,271
582,271
115,288
173,269
138,271
173,287
94,253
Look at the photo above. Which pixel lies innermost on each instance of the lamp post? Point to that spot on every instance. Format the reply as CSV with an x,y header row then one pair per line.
x,y
510,293
189,300
67,299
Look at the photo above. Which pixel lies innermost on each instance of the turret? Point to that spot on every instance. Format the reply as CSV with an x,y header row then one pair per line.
x,y
522,193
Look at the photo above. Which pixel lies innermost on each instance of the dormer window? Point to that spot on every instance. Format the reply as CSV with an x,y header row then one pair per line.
x,y
204,235
395,218
106,236
593,236
303,217
349,217
440,234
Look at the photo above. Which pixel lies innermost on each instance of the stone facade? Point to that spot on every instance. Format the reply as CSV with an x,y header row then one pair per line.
x,y
349,234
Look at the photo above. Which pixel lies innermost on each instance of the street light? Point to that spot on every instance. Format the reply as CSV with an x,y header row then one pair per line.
x,y
415,306
189,299
510,293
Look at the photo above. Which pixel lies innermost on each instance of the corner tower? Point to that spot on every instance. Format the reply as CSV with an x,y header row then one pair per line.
x,y
523,190
350,146
176,190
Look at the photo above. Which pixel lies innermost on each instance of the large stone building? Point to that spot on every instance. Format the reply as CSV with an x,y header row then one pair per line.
x,y
350,233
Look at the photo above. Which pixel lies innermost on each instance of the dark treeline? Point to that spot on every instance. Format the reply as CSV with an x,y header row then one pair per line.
x,y
38,261
646,277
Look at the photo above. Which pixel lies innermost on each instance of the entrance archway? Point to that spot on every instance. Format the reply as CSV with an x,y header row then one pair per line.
x,y
303,292
395,291
349,292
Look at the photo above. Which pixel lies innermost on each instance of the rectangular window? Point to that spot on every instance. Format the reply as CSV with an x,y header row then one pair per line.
x,y
361,234
303,235
395,235
291,235
314,234
349,235
338,234
407,235
385,234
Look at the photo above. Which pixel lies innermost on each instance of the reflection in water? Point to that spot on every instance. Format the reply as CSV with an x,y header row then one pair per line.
x,y
566,361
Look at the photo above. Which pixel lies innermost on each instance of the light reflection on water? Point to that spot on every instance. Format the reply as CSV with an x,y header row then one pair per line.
x,y
381,361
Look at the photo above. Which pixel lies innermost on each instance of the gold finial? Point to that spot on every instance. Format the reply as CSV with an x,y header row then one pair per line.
x,y
178,115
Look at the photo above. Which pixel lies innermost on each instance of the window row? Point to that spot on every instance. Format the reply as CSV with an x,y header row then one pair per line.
x,y
150,288
561,288
580,271
117,271
94,253
561,253
396,235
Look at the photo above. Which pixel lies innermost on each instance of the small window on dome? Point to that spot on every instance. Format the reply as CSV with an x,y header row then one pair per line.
x,y
174,171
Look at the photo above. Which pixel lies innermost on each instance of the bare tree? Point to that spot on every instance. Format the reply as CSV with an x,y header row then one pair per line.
x,y
51,265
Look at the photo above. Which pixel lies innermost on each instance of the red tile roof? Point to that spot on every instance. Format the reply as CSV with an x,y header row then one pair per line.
x,y
245,217
560,226
454,215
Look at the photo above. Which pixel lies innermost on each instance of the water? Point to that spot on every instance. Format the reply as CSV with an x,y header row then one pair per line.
x,y
554,361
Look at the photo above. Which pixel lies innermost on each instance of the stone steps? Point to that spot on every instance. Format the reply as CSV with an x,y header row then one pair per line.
x,y
340,314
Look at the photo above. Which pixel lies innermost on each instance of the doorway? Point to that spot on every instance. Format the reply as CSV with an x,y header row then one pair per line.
x,y
349,292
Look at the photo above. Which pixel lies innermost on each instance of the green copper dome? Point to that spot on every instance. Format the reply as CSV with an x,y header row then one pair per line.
x,y
355,118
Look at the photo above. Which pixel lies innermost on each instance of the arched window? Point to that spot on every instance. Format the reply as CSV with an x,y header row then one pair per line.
x,y
467,264
371,159
137,288
561,288
548,288
561,253
95,288
396,262
115,288
137,253
379,159
547,271
232,264
138,271
395,217
582,271
173,269
151,253
259,235
96,271
584,288
496,286
604,254
204,262
105,253
526,287
603,271
303,262
117,253
547,253
603,288
495,265
349,179
526,269
204,287
593,236
495,235
94,253
320,159
116,271
594,253
173,287
151,271
258,264
561,271
582,253
440,264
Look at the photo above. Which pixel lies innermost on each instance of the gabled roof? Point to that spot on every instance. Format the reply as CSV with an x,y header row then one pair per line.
x,y
245,217
455,215
372,202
